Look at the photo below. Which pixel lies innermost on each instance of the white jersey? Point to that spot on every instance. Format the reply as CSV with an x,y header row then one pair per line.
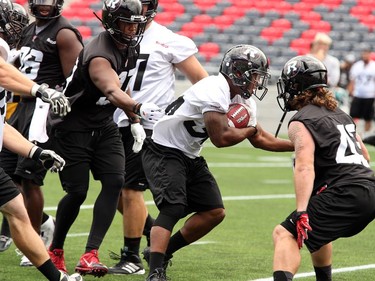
x,y
183,127
154,82
364,79
4,53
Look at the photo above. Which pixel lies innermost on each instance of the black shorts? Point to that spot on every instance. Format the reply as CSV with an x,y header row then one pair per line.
x,y
17,166
134,175
337,212
362,108
175,178
8,189
99,151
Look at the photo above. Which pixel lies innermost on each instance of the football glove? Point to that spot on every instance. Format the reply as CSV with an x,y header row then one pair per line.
x,y
59,102
150,111
301,221
48,158
139,136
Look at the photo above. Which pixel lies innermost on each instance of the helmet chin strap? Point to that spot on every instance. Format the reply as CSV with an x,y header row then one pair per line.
x,y
280,123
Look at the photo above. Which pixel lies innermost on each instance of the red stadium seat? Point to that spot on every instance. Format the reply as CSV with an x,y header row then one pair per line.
x,y
271,33
176,8
301,45
282,23
369,21
234,11
205,4
322,26
223,21
243,4
165,18
310,17
203,19
192,27
308,34
302,7
209,50
360,11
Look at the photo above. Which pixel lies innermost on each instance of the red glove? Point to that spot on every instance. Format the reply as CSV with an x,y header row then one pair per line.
x,y
301,220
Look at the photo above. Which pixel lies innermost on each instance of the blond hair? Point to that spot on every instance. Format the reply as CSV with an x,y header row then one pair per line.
x,y
321,97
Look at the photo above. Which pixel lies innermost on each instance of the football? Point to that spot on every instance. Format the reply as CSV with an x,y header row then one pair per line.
x,y
238,115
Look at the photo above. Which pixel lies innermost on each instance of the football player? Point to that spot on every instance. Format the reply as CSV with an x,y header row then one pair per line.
x,y
11,200
88,138
48,49
161,53
333,181
179,178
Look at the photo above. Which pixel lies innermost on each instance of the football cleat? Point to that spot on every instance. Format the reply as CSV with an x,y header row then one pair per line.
x,y
89,264
46,231
5,243
74,277
129,263
24,260
157,275
146,257
57,257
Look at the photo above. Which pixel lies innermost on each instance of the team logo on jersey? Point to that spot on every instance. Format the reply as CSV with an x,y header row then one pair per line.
x,y
49,40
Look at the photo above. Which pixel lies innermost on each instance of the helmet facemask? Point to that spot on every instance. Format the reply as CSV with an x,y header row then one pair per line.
x,y
249,80
18,20
55,8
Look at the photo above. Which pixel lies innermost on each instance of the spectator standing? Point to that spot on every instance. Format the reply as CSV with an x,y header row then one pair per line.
x,y
333,181
362,88
179,178
320,49
49,47
161,53
88,138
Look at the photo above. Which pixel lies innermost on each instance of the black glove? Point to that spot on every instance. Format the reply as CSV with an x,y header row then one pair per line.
x,y
49,159
58,101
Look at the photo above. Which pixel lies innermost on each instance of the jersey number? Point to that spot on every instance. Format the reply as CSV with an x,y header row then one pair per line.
x,y
190,125
30,62
347,153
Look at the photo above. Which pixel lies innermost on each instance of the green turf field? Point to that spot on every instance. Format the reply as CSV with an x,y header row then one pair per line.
x,y
258,193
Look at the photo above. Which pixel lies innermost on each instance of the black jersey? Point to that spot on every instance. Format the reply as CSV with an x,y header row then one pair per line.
x,y
39,53
90,107
338,156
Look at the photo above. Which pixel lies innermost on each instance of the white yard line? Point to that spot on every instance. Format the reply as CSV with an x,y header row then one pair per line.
x,y
337,270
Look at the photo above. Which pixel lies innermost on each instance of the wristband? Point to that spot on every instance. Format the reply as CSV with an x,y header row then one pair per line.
x,y
35,152
137,107
134,119
34,89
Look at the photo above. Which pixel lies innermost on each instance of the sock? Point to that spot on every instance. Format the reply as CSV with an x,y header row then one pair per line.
x,y
323,273
49,270
282,276
176,242
45,217
132,244
156,261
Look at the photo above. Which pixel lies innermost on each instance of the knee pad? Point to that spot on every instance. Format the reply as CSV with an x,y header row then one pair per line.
x,y
169,216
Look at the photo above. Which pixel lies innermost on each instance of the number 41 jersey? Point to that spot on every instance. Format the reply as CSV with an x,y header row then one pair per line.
x,y
338,155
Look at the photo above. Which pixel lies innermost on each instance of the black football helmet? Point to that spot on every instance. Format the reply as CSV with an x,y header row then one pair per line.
x,y
299,74
152,8
246,64
6,8
129,11
18,20
55,12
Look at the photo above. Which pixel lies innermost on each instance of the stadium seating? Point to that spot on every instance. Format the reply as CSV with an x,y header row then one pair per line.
x,y
282,28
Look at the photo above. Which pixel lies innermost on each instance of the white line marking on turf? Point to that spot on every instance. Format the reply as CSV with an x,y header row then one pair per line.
x,y
225,198
337,270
